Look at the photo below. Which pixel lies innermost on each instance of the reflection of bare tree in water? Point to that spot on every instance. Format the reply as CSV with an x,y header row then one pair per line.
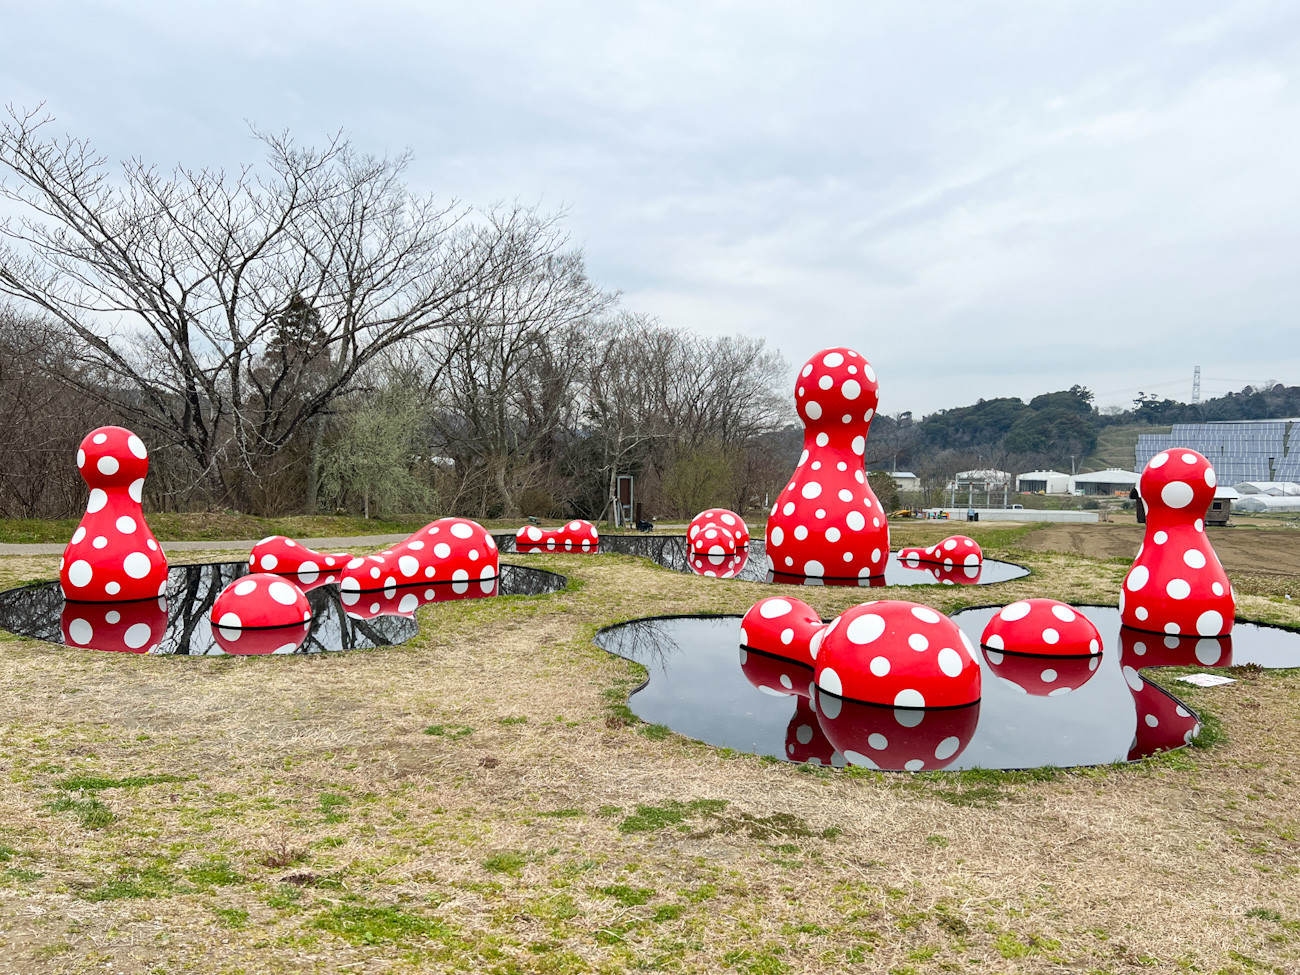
x,y
647,641
35,611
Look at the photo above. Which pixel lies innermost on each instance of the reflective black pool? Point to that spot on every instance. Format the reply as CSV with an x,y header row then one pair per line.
x,y
671,552
1035,711
178,622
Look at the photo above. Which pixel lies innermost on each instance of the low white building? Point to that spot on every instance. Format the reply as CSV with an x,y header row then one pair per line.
x,y
1265,503
1044,482
1274,489
1113,481
905,480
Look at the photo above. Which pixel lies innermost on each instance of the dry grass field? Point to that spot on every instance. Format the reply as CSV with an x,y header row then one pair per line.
x,y
480,800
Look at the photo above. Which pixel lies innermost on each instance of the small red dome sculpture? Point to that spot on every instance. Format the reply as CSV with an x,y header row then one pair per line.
x,y
896,739
1176,584
405,601
896,653
285,557
1042,627
955,550
446,550
828,523
113,556
258,601
717,531
783,627
247,643
718,566
952,575
1042,675
576,536
133,627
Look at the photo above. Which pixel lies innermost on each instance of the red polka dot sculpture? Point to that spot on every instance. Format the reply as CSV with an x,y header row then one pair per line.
x,y
718,566
1176,584
576,536
896,653
134,627
446,550
250,642
406,600
780,676
1162,722
805,741
948,575
1042,626
717,531
896,738
258,601
113,555
285,557
955,550
828,523
781,627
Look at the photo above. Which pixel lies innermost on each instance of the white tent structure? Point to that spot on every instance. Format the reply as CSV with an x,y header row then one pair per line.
x,y
1266,503
1276,489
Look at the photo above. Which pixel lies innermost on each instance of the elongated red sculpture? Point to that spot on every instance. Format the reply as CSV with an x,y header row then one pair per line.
x,y
717,531
285,557
257,601
446,550
576,536
405,601
955,550
896,653
828,523
113,556
1176,584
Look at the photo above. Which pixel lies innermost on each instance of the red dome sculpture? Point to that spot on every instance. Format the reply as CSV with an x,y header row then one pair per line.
x,y
955,550
1042,627
275,639
896,739
1176,584
718,566
576,536
446,550
828,523
113,556
896,653
285,557
132,627
1042,675
717,531
258,601
783,627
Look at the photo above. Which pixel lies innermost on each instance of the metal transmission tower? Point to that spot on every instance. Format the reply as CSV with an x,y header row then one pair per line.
x,y
1196,385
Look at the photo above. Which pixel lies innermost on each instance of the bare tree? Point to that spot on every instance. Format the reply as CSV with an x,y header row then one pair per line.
x,y
180,292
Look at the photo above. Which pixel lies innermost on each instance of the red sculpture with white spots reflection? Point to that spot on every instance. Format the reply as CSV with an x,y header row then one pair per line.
x,y
113,556
1176,584
828,523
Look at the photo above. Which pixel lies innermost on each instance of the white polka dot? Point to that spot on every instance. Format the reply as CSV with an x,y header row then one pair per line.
x,y
136,565
1151,720
1141,613
996,642
1134,681
1015,611
81,458
136,446
851,389
926,615
1160,538
283,593
245,587
126,525
813,568
137,635
788,510
1194,559
865,628
833,359
442,550
1178,589
949,661
859,444
856,521
100,438
308,572
772,608
1210,478
909,698
1199,525
269,562
807,370
826,382
777,535
100,542
832,534
918,642
1064,613
1217,589
880,666
1177,494
108,465
462,530
846,494
830,682
1209,623
1051,636
408,565
97,500
800,532
79,631
813,409
230,619
811,490
136,490
1137,578
1159,460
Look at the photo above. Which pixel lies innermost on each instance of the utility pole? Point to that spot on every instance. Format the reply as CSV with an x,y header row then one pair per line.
x,y
1196,385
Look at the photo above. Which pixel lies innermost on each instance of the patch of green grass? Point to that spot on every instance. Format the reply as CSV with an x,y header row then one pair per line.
x,y
1264,914
517,719
508,862
7,853
365,924
650,818
19,875
655,732
129,884
628,896
215,873
1211,733
330,804
668,912
284,897
454,732
562,813
764,962
231,917
91,812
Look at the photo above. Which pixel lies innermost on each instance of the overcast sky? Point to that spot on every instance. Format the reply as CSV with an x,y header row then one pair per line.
x,y
984,199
